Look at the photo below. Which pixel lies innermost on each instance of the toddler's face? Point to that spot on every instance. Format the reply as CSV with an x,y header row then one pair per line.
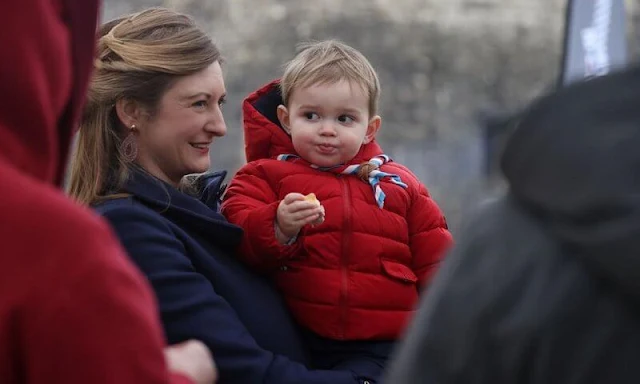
x,y
329,123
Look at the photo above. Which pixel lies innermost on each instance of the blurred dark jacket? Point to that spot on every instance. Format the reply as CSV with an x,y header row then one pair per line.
x,y
544,284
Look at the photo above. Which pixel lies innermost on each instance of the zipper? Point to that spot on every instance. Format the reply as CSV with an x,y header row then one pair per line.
x,y
344,256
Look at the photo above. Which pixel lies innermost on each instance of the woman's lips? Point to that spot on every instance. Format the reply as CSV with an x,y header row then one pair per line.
x,y
201,147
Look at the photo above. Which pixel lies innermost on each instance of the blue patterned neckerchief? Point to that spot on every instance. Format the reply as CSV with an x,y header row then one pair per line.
x,y
368,171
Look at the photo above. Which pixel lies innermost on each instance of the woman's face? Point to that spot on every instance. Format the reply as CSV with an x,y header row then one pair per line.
x,y
175,141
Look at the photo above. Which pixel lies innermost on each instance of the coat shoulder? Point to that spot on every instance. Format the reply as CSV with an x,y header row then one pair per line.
x,y
124,206
129,214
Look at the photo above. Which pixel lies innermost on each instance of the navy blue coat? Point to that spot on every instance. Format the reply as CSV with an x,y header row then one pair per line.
x,y
185,249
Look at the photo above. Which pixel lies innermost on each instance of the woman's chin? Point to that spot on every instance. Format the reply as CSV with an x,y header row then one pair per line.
x,y
200,167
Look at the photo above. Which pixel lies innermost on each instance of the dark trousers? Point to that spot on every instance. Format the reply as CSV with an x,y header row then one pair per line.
x,y
364,358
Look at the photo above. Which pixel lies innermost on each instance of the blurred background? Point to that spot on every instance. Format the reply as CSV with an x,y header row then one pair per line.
x,y
447,68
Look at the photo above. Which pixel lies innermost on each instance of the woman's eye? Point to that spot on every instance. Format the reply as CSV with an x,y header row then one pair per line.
x,y
311,116
200,104
222,101
345,119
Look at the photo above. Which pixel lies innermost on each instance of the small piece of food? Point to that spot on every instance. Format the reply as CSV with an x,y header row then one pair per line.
x,y
312,198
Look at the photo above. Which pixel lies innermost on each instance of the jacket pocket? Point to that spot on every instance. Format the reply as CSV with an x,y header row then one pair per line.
x,y
398,271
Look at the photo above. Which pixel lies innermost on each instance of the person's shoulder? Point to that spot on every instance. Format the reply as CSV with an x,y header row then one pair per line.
x,y
266,163
125,208
504,243
252,167
500,231
499,212
117,203
415,186
401,170
48,232
40,208
133,221
143,230
263,168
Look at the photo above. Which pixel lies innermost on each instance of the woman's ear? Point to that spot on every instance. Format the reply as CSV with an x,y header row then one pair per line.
x,y
372,129
129,112
283,116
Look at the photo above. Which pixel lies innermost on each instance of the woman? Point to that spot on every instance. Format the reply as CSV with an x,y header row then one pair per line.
x,y
154,109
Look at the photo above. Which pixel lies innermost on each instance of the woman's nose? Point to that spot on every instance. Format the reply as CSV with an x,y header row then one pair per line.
x,y
216,124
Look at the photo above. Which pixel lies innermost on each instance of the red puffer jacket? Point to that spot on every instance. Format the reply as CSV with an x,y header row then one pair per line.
x,y
357,275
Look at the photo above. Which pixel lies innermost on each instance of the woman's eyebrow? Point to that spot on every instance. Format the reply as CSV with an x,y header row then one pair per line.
x,y
197,95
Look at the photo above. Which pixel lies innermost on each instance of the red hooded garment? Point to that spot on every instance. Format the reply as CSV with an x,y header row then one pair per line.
x,y
357,275
73,310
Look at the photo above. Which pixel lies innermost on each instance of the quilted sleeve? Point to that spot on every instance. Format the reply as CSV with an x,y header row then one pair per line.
x,y
429,236
251,203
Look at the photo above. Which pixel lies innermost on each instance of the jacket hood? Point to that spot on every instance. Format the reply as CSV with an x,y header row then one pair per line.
x,y
264,137
573,160
51,49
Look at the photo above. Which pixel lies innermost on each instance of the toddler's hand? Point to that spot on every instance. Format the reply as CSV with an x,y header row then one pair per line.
x,y
320,218
293,214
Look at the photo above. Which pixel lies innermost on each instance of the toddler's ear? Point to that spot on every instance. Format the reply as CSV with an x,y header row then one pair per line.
x,y
283,116
372,129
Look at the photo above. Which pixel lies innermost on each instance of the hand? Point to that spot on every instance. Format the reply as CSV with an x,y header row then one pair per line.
x,y
320,218
193,360
294,213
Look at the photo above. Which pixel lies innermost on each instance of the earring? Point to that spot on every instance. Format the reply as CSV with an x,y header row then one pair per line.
x,y
129,146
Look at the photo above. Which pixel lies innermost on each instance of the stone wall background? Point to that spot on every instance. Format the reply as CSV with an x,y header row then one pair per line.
x,y
443,65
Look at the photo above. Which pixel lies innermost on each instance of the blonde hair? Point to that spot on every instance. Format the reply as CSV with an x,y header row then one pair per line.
x,y
328,62
139,57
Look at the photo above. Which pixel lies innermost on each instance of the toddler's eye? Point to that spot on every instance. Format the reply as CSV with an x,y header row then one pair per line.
x,y
311,116
346,119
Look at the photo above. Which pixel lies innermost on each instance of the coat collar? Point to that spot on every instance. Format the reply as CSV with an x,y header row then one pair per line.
x,y
187,211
